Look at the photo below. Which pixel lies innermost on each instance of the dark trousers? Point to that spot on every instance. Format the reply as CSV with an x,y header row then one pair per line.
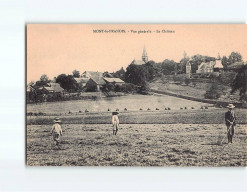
x,y
230,133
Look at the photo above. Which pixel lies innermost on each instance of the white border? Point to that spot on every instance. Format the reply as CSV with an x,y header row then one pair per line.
x,y
14,176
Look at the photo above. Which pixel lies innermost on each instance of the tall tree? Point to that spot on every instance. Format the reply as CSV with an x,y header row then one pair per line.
x,y
235,57
225,62
136,75
182,65
168,67
240,83
196,60
44,78
76,73
120,74
42,82
67,82
149,70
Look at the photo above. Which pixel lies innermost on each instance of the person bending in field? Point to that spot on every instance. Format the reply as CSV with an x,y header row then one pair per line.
x,y
115,122
56,131
230,118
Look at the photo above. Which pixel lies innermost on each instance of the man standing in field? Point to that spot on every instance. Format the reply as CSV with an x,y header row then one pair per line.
x,y
230,122
115,122
56,131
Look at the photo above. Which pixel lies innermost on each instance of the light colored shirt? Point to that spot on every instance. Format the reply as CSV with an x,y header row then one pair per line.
x,y
115,120
56,128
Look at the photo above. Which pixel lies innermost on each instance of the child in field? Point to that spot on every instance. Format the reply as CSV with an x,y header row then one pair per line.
x,y
56,131
115,122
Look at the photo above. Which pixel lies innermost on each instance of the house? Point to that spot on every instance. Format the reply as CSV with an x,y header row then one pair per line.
x,y
218,66
81,81
144,59
53,88
208,67
114,81
95,83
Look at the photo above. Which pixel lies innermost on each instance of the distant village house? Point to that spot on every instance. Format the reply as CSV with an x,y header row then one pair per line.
x,y
97,80
52,88
95,83
82,81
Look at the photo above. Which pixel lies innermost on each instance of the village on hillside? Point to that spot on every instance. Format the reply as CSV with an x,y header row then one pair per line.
x,y
197,76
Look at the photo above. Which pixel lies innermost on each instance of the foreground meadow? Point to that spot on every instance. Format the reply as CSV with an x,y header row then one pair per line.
x,y
137,145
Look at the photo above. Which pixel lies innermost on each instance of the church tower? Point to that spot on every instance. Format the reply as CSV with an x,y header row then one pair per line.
x,y
144,55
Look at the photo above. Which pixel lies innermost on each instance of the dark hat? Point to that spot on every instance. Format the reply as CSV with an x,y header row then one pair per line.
x,y
115,113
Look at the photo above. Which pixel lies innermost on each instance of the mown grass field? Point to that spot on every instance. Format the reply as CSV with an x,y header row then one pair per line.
x,y
137,145
209,116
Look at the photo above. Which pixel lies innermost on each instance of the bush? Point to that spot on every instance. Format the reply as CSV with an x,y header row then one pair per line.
x,y
179,78
187,81
214,92
226,78
213,76
129,88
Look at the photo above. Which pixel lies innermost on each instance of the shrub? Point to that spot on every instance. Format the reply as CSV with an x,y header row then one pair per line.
x,y
187,81
226,78
214,92
179,78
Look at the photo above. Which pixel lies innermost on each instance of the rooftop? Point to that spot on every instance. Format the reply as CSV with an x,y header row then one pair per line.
x,y
98,80
54,87
138,62
112,80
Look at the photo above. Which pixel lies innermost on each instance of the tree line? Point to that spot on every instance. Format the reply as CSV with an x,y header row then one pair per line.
x,y
137,77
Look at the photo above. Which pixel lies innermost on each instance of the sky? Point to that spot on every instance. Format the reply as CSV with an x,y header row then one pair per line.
x,y
53,49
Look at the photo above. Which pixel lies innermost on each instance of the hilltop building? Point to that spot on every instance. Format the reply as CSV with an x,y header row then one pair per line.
x,y
144,59
188,69
212,66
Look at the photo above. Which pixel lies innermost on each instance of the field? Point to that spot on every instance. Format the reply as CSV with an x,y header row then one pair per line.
x,y
137,145
132,103
155,137
198,90
208,116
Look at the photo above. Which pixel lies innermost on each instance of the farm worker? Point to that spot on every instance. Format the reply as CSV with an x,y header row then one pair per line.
x,y
230,122
115,122
56,130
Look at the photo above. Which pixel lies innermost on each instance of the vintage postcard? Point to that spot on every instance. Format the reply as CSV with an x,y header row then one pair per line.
x,y
136,95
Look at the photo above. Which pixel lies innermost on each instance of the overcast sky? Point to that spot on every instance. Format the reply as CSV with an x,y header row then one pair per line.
x,y
53,49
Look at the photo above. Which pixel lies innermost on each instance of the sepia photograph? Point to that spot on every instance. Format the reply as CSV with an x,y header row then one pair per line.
x,y
136,95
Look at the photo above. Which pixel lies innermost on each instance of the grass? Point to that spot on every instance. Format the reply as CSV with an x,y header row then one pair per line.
x,y
183,90
196,91
189,116
136,145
